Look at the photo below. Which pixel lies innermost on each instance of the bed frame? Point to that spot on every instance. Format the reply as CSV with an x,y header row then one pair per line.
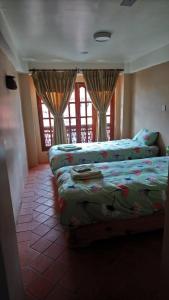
x,y
85,235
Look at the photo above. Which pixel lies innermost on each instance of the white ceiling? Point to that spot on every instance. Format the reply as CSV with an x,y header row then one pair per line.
x,y
55,32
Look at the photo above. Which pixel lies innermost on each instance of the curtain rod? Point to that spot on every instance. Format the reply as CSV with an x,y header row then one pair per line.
x,y
78,70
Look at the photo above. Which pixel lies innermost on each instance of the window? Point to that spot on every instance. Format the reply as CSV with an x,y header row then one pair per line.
x,y
79,116
80,119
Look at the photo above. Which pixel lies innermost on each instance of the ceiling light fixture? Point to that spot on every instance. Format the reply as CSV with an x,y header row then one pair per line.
x,y
84,52
102,36
127,2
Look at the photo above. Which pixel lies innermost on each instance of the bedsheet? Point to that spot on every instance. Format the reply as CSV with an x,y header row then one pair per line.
x,y
96,152
128,189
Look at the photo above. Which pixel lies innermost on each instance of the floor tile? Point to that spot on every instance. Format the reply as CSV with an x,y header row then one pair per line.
x,y
51,222
55,272
41,263
41,200
54,250
28,275
24,236
24,218
41,245
34,238
49,203
25,211
40,288
41,230
50,211
23,227
61,293
41,218
41,208
52,235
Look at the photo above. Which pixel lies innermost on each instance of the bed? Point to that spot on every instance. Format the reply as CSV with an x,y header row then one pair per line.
x,y
97,152
129,197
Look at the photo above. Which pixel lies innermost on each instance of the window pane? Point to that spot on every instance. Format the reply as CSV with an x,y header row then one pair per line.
x,y
72,110
108,120
72,97
83,121
52,122
82,94
47,138
89,109
73,135
108,111
50,115
88,97
46,122
66,112
73,121
89,121
45,111
82,109
66,121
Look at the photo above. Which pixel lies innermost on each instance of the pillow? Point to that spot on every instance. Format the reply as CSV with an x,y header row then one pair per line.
x,y
146,137
137,135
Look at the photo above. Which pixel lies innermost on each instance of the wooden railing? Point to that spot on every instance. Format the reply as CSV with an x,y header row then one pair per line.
x,y
86,135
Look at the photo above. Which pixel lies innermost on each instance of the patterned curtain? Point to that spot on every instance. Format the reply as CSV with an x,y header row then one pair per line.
x,y
55,88
100,85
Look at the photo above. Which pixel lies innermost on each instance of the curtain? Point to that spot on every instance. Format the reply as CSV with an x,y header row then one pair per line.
x,y
100,85
55,88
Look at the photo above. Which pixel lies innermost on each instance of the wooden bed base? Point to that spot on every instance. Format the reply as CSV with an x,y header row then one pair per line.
x,y
85,235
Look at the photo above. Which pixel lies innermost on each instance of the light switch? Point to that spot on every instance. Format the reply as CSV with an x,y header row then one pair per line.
x,y
163,107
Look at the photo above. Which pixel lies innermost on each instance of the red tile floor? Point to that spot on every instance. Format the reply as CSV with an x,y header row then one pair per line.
x,y
120,269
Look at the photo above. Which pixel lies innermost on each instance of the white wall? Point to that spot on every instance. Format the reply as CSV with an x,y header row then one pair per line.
x,y
12,133
150,89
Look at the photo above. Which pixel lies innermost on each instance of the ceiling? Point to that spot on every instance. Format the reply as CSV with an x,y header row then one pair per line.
x,y
47,33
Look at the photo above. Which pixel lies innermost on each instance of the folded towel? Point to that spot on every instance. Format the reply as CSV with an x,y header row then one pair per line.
x,y
83,168
68,148
85,173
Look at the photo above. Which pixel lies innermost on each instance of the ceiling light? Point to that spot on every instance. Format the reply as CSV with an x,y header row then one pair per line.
x,y
84,52
102,36
127,2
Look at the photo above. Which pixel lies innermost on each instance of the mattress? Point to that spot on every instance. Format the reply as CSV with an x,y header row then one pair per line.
x,y
128,189
100,152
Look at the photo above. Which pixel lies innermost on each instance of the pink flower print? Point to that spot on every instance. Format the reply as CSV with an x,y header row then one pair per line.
x,y
124,189
104,154
137,172
69,157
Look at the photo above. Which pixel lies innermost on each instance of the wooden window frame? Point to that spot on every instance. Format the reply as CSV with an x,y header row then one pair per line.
x,y
78,118
41,125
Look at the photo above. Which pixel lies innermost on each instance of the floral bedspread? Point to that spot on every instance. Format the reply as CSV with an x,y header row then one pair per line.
x,y
100,152
128,189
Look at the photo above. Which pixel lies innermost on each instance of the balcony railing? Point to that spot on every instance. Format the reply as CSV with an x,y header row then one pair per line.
x,y
86,135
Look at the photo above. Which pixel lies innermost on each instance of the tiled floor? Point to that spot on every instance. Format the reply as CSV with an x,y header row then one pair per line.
x,y
120,269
